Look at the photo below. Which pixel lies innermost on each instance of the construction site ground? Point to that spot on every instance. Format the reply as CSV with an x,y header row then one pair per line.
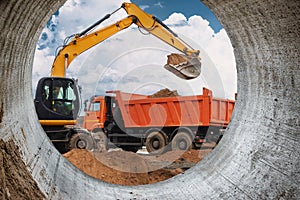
x,y
128,168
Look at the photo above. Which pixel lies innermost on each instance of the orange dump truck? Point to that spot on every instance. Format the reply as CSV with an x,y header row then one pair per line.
x,y
131,121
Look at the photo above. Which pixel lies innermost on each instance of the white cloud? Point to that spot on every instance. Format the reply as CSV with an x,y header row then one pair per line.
x,y
143,7
175,19
224,60
42,67
83,14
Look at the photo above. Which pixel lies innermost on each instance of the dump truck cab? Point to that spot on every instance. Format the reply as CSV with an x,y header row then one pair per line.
x,y
98,112
95,113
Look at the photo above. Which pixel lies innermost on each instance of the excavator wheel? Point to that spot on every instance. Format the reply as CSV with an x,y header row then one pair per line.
x,y
185,67
81,141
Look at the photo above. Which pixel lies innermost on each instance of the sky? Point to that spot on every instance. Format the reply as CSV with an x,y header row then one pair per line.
x,y
132,61
163,9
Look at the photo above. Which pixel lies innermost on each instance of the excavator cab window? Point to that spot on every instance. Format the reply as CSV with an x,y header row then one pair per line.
x,y
57,97
63,98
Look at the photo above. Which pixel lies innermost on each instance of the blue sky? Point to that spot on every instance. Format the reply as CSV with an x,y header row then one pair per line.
x,y
163,9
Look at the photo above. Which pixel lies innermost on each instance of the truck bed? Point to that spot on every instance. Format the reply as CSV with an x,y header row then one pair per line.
x,y
200,110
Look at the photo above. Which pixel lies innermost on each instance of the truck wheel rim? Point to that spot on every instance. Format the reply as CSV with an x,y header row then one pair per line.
x,y
156,144
81,144
182,145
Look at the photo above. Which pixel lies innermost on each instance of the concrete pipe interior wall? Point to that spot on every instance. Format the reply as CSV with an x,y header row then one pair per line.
x,y
257,159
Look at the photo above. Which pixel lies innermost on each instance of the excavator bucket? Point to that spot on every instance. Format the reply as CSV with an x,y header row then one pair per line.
x,y
185,67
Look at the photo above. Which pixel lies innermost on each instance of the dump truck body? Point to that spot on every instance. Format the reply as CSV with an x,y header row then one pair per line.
x,y
128,120
200,110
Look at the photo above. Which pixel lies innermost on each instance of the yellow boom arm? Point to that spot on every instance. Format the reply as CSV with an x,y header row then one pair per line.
x,y
82,42
157,28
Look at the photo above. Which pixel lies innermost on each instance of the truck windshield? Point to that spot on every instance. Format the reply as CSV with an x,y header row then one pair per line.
x,y
95,106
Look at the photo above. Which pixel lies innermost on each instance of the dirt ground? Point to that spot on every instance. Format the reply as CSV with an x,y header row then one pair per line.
x,y
117,167
15,180
128,168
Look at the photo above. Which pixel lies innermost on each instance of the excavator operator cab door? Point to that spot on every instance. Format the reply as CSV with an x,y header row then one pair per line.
x,y
57,99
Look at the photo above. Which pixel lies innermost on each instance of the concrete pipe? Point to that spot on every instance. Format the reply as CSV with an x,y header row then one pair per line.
x,y
258,158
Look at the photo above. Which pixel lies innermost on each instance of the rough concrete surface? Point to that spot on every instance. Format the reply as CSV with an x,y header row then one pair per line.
x,y
258,158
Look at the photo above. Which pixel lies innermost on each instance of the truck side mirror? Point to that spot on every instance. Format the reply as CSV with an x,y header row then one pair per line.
x,y
85,105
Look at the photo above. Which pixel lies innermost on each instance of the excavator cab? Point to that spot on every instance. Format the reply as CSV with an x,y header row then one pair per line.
x,y
57,99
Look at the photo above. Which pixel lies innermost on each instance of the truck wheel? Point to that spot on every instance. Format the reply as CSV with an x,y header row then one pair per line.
x,y
155,143
182,141
81,141
101,141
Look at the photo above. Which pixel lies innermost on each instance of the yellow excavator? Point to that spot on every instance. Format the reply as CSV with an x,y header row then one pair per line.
x,y
57,99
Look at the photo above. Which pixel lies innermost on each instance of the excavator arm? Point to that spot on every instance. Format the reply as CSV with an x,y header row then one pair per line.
x,y
79,44
157,28
186,65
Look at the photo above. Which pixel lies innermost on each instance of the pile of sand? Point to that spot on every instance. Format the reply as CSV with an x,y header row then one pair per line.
x,y
165,93
128,168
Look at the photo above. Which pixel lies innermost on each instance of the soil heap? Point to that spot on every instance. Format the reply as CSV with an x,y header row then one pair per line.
x,y
166,92
128,168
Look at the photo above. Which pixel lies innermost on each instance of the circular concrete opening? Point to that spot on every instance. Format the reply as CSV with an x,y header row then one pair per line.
x,y
258,156
132,61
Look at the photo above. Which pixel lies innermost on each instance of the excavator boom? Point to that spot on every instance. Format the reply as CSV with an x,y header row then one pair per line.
x,y
186,65
157,28
79,44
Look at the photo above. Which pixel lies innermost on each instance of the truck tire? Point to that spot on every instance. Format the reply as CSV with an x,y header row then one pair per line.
x,y
155,143
101,142
81,141
182,141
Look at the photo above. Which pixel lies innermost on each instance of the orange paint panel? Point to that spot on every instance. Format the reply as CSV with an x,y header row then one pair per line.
x,y
178,111
174,111
133,114
145,110
175,116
